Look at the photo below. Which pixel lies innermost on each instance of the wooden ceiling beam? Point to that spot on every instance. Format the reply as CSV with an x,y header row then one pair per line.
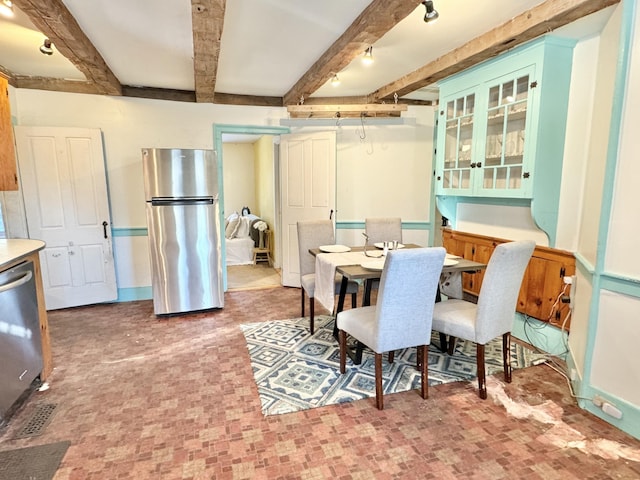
x,y
537,21
55,84
207,18
55,21
374,21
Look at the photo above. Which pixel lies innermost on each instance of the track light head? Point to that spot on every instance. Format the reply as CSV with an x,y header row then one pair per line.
x,y
431,15
6,8
367,59
45,48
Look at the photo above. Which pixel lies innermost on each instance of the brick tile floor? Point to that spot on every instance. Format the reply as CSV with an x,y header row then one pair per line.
x,y
174,398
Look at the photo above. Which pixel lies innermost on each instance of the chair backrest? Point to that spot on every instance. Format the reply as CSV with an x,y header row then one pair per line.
x,y
500,287
383,229
407,294
312,234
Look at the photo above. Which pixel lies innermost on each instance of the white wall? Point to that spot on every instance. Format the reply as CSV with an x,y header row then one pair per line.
x,y
239,177
386,173
598,138
128,125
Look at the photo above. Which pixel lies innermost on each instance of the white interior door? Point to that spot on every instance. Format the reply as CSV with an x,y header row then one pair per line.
x,y
307,189
65,194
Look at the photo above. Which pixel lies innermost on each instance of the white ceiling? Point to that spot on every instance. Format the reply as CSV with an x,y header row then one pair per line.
x,y
266,46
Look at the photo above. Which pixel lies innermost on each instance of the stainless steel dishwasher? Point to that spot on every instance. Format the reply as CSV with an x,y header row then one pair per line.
x,y
20,344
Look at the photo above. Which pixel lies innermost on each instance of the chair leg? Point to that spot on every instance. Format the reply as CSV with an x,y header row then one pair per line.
x,y
379,392
392,355
302,302
354,300
482,380
506,356
343,350
424,352
452,345
312,304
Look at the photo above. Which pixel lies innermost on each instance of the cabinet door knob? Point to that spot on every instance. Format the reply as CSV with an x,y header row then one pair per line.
x,y
525,175
473,165
479,164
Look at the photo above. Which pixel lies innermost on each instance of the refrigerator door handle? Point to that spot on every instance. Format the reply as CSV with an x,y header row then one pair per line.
x,y
181,201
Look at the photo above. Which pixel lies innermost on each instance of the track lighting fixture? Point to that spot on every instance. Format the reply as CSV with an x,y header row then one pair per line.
x,y
367,59
45,48
6,8
335,81
431,15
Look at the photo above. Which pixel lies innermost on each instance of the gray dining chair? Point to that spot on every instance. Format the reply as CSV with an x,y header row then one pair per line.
x,y
383,229
494,313
313,234
403,313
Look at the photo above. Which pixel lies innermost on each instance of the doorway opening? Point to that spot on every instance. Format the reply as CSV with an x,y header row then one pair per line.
x,y
249,194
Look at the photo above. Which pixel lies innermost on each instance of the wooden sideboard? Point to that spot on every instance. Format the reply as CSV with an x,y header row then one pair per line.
x,y
543,281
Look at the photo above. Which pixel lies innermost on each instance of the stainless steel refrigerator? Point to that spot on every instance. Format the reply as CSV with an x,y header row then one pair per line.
x,y
181,192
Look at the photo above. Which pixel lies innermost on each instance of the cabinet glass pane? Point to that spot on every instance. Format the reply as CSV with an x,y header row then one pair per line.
x,y
494,96
504,144
458,142
465,176
515,174
449,110
470,104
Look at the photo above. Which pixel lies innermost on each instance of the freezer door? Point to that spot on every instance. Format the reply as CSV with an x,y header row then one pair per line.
x,y
173,172
185,257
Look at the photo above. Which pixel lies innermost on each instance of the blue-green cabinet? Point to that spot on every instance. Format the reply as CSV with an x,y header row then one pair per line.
x,y
501,124
501,131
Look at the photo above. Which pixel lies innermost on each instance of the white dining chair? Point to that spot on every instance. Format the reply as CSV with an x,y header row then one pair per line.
x,y
403,313
494,313
313,234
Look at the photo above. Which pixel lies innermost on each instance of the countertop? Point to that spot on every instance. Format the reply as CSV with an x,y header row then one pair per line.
x,y
13,248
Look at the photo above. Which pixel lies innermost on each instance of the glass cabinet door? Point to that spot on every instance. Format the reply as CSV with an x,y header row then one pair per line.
x,y
508,102
458,143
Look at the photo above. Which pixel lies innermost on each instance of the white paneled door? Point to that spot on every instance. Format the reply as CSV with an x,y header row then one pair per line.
x,y
65,194
307,190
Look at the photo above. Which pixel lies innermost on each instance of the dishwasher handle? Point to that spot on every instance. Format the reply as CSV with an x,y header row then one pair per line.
x,y
16,283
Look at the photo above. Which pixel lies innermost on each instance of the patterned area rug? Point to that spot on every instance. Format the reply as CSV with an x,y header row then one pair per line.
x,y
297,371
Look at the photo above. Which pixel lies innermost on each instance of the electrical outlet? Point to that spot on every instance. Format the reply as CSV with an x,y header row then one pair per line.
x,y
568,280
573,374
598,401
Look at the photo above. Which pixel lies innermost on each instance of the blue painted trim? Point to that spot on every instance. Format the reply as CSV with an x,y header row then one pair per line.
x,y
619,284
630,421
405,225
130,232
541,335
132,294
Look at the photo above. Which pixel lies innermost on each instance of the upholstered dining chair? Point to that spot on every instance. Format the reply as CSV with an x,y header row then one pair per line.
x,y
494,313
383,229
403,313
313,234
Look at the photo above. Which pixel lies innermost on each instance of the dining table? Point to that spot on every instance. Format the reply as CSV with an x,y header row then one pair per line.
x,y
352,263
